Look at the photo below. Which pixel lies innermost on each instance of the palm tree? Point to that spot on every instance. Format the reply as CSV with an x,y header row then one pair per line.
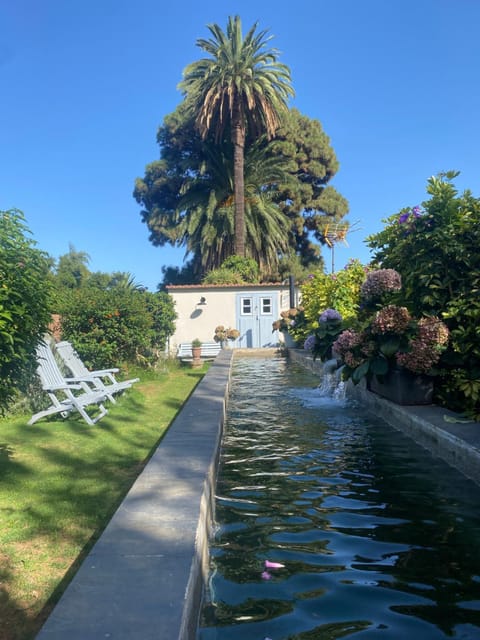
x,y
240,89
207,203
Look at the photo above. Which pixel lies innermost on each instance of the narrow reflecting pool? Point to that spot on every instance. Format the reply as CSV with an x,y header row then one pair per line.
x,y
378,538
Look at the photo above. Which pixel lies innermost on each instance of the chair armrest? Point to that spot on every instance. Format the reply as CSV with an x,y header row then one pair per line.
x,y
104,372
59,387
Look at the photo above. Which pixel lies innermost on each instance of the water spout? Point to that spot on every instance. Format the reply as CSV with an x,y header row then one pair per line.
x,y
331,384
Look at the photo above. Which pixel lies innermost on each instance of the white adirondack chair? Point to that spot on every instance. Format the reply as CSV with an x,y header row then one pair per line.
x,y
102,380
73,396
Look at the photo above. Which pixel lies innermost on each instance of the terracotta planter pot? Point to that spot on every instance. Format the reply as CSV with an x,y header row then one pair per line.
x,y
403,387
196,352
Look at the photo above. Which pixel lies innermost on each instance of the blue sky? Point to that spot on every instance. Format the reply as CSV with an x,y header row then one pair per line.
x,y
86,83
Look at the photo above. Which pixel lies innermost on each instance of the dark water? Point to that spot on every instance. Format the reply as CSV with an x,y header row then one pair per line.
x,y
378,538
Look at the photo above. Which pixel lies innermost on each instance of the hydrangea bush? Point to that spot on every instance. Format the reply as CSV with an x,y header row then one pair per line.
x,y
435,249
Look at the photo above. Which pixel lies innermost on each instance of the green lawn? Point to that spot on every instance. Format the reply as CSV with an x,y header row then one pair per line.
x,y
61,481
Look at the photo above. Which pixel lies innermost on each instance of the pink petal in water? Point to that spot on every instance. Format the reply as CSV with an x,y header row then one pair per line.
x,y
266,575
273,565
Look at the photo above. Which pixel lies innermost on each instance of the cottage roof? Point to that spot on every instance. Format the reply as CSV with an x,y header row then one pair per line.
x,y
244,286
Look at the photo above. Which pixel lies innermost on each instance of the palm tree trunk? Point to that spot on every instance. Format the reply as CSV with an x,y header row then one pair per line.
x,y
238,139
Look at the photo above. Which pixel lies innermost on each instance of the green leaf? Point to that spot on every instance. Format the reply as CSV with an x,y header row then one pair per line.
x,y
390,346
360,372
379,366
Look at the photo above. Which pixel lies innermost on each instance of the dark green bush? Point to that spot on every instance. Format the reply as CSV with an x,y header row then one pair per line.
x,y
24,303
118,325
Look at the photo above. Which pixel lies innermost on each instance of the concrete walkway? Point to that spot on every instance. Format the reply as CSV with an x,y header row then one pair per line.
x,y
143,579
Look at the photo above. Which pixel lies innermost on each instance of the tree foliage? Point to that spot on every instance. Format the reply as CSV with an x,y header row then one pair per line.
x,y
191,187
72,268
24,303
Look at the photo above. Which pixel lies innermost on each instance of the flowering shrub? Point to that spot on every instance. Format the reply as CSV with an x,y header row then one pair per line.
x,y
339,291
392,338
379,282
350,346
329,315
435,249
410,215
309,343
222,334
391,319
320,342
105,326
426,347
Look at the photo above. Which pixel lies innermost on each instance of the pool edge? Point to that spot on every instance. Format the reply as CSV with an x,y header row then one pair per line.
x,y
457,444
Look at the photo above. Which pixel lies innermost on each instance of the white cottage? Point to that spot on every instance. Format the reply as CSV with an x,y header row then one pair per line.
x,y
250,308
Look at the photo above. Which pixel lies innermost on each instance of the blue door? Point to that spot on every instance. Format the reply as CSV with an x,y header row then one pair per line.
x,y
255,314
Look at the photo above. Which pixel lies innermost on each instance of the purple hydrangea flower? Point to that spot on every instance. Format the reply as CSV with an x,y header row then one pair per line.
x,y
330,315
309,343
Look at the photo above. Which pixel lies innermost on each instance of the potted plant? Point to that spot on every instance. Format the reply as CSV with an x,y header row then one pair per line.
x,y
224,334
289,320
196,349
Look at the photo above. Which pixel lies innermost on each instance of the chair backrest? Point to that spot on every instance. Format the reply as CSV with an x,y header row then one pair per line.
x,y
47,367
71,359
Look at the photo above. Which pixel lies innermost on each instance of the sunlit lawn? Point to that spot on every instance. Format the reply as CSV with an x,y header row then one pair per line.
x,y
61,481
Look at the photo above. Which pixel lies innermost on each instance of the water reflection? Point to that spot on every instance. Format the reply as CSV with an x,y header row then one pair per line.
x,y
376,535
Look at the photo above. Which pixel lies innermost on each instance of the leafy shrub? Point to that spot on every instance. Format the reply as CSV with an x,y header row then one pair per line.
x,y
435,249
234,270
339,291
108,327
246,267
24,303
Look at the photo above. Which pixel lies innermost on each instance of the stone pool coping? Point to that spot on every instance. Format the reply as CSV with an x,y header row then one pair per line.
x,y
144,577
456,443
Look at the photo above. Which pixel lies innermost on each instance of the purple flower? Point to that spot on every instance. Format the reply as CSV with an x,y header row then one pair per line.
x,y
309,343
379,282
416,212
330,315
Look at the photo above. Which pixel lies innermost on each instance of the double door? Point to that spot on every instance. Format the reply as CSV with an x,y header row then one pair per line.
x,y
255,313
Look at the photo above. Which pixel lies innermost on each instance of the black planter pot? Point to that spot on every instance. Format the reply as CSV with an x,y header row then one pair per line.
x,y
403,387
